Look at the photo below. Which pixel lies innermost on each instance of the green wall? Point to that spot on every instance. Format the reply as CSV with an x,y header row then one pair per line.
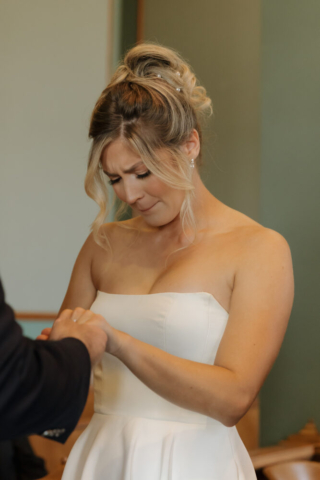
x,y
33,328
125,28
129,25
290,202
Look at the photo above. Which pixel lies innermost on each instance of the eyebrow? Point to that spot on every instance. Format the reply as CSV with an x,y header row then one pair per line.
x,y
129,170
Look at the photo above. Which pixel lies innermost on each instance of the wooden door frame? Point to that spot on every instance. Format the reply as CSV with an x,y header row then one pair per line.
x,y
140,20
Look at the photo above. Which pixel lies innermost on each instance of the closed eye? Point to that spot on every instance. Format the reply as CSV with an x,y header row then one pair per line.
x,y
116,180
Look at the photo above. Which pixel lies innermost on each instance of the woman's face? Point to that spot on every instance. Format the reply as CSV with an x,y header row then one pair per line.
x,y
132,182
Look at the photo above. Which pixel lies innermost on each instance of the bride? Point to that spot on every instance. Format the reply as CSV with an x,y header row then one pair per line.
x,y
196,296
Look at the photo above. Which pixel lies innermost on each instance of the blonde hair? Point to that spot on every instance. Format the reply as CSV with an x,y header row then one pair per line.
x,y
154,102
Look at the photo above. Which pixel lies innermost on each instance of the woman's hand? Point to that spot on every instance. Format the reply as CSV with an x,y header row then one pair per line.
x,y
90,332
117,340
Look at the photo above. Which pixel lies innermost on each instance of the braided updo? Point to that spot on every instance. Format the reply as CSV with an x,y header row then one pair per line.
x,y
153,101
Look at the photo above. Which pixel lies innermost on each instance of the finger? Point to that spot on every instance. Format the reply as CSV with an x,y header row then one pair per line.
x,y
77,313
100,321
85,317
65,315
46,331
42,337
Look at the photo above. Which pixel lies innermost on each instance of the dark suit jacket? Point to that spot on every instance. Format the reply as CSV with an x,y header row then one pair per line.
x,y
43,385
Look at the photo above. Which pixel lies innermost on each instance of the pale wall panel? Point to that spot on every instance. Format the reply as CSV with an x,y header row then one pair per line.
x,y
54,66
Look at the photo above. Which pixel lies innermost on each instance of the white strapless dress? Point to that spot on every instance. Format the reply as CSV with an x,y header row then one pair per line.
x,y
134,433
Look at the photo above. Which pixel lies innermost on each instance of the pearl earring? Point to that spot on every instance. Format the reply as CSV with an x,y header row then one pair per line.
x,y
192,163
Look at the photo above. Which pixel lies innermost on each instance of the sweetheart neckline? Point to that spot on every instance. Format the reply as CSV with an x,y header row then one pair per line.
x,y
161,293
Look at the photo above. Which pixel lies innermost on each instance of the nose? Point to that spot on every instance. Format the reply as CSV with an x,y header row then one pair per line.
x,y
132,192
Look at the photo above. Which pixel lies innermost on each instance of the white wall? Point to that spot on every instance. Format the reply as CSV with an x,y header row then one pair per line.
x,y
54,62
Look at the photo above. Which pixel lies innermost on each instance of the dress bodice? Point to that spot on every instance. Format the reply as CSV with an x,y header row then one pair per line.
x,y
136,434
187,325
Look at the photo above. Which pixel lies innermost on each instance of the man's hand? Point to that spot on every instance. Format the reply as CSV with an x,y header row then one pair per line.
x,y
83,325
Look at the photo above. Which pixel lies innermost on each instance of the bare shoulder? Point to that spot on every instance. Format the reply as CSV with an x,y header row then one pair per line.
x,y
253,239
254,250
257,241
263,258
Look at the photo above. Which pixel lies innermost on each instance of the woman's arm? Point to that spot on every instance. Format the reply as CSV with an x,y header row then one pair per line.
x,y
81,290
260,309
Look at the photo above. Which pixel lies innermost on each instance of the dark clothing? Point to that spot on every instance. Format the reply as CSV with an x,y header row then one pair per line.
x,y
19,462
43,384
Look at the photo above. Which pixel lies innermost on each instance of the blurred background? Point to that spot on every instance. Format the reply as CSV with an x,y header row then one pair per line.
x,y
259,62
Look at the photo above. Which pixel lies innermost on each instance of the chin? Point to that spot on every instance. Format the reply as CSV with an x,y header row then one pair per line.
x,y
161,220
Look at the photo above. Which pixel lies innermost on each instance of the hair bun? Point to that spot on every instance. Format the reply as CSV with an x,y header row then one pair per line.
x,y
144,59
148,60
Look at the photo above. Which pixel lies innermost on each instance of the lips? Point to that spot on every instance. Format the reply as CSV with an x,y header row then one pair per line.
x,y
146,209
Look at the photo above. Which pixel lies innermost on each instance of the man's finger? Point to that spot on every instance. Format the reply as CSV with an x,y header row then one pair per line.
x,y
99,321
42,337
86,315
65,315
77,313
46,331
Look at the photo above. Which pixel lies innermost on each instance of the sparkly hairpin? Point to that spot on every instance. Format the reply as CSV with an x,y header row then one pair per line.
x,y
178,73
160,76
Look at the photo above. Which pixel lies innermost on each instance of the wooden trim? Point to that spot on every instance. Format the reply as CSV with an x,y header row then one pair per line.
x,y
35,316
264,457
110,40
56,475
140,21
300,446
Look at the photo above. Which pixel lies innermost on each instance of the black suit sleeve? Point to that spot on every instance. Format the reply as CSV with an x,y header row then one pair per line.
x,y
43,384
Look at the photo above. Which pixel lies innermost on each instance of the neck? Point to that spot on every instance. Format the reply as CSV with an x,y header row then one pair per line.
x,y
205,205
205,210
